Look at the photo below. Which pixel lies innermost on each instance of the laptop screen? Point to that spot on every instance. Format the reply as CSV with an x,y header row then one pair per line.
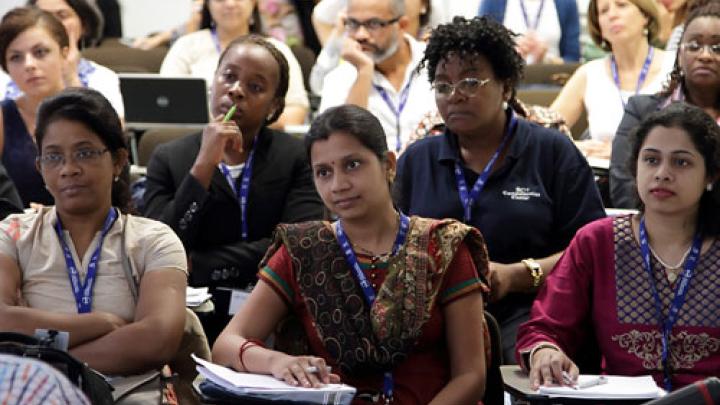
x,y
156,101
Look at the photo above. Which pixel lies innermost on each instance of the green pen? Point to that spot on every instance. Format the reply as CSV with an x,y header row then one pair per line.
x,y
230,113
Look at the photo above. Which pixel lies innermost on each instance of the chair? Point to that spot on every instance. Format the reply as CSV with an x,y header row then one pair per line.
x,y
494,387
544,96
706,392
157,136
122,58
548,74
306,58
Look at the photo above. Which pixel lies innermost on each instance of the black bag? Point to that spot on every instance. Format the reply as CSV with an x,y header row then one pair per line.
x,y
92,383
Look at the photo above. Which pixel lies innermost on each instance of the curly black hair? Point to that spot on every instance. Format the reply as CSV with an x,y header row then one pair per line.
x,y
705,135
701,8
476,36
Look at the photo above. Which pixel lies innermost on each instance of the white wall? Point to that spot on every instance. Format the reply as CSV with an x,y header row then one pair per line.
x,y
139,17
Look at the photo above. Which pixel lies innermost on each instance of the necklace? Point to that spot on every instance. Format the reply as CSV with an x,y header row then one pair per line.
x,y
671,271
379,257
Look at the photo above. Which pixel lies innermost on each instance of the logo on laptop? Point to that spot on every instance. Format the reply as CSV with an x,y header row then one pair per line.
x,y
162,101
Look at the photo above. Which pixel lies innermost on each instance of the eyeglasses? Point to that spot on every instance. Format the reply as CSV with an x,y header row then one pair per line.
x,y
373,24
53,160
468,87
696,47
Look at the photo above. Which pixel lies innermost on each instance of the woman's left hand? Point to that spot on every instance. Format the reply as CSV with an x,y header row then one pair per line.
x,y
296,370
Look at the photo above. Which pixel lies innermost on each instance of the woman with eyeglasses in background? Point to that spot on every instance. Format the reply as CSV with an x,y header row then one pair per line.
x,y
525,187
695,79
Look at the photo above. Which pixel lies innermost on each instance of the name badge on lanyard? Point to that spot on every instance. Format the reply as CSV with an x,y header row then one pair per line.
x,y
468,199
397,111
666,324
83,292
243,192
368,292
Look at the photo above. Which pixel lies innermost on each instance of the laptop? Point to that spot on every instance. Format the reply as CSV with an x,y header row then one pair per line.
x,y
153,101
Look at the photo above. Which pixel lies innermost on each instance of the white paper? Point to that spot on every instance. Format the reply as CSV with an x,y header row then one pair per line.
x,y
617,387
196,296
266,386
237,299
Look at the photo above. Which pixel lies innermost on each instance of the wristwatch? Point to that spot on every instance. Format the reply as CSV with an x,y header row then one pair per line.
x,y
536,271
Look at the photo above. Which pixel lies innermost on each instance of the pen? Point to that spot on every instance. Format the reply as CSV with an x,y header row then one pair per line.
x,y
592,382
230,113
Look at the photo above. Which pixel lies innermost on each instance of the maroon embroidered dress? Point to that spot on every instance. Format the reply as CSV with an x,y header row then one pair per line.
x,y
600,286
404,331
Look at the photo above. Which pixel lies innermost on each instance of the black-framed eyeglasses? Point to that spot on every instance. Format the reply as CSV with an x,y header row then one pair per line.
x,y
53,160
468,87
373,24
696,47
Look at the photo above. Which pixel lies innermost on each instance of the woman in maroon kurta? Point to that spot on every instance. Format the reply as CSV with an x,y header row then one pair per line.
x,y
620,277
394,304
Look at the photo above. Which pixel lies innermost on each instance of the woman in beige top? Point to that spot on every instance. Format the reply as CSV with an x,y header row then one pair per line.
x,y
64,267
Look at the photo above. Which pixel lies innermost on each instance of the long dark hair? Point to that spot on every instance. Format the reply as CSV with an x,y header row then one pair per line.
x,y
92,109
705,135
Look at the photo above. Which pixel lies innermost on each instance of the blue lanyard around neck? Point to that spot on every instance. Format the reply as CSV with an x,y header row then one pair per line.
x,y
367,290
242,193
469,199
641,78
531,27
83,292
404,95
215,39
666,324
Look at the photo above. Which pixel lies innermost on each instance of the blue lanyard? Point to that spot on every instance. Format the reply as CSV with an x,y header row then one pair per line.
x,y
468,199
532,27
641,78
85,69
404,94
215,39
368,291
244,190
666,324
83,291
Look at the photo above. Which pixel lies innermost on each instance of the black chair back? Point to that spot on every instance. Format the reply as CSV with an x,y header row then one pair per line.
x,y
494,387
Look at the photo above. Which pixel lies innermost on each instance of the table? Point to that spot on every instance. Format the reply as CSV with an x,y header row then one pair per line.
x,y
517,383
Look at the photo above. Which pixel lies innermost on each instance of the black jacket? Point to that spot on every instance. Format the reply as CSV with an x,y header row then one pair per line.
x,y
208,221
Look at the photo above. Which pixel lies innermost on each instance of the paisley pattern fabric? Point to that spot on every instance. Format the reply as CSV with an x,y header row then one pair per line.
x,y
363,339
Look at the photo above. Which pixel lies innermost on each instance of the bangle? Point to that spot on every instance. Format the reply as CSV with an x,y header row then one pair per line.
x,y
248,343
543,345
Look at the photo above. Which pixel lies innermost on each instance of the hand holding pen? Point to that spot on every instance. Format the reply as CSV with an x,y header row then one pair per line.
x,y
221,133
550,366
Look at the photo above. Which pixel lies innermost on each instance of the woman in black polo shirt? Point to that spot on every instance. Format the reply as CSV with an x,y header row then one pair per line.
x,y
527,188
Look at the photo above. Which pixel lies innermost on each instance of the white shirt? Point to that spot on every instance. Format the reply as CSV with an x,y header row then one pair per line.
x,y
547,28
195,54
100,78
420,98
603,100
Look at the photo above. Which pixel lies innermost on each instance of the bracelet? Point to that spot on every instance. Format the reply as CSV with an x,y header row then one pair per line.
x,y
543,345
247,344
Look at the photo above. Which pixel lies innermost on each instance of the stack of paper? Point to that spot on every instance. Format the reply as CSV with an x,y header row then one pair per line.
x,y
617,387
258,386
194,297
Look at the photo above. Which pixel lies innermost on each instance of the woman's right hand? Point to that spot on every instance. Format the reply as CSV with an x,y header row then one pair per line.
x,y
547,366
112,321
294,371
216,138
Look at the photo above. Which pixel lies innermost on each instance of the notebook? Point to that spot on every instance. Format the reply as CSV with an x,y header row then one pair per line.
x,y
616,388
153,101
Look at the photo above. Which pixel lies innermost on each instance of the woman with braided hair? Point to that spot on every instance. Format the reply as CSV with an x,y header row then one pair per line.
x,y
525,187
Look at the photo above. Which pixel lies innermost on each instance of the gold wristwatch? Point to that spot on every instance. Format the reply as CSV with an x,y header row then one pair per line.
x,y
536,271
